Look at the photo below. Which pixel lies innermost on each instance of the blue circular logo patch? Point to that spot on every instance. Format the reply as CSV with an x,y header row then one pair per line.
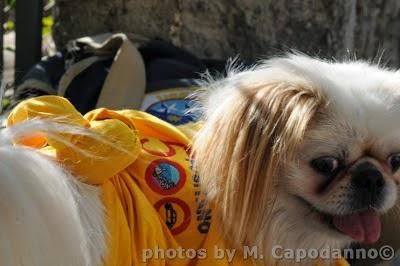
x,y
165,177
174,111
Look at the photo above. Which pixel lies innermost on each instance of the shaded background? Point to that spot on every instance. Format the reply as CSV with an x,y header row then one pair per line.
x,y
250,28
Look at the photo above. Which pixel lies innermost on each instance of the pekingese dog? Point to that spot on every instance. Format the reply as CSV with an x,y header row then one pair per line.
x,y
296,152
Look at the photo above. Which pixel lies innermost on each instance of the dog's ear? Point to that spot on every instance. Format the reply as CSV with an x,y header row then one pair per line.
x,y
246,139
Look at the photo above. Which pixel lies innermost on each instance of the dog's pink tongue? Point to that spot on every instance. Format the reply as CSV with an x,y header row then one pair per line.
x,y
363,227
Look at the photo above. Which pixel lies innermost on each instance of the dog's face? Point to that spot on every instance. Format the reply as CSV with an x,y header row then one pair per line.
x,y
342,180
301,152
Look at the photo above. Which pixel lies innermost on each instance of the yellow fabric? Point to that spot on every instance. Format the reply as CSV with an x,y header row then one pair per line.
x,y
146,210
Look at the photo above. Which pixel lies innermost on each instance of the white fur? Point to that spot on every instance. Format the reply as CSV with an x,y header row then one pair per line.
x,y
366,94
47,217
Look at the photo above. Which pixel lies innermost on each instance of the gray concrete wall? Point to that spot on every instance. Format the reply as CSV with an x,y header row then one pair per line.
x,y
250,28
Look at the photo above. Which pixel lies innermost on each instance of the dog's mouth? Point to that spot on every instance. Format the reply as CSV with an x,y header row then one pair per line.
x,y
362,226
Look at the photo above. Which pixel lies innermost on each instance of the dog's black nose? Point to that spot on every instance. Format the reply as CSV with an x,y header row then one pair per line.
x,y
368,179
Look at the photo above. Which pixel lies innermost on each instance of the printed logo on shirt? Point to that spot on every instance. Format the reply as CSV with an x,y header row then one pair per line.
x,y
175,212
171,105
165,177
203,211
174,111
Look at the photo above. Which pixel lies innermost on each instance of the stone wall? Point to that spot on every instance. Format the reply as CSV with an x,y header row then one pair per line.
x,y
250,28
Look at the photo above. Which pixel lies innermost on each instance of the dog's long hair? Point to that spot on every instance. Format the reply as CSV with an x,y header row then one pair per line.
x,y
47,216
251,130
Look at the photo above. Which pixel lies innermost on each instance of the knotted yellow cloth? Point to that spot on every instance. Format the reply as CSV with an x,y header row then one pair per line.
x,y
156,213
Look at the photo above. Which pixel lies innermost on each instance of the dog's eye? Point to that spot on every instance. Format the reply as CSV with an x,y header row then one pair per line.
x,y
326,165
394,161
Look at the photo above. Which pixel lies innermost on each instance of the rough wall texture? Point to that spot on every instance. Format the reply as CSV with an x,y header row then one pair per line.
x,y
251,28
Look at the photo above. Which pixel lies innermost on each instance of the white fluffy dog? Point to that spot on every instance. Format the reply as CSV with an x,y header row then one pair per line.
x,y
295,151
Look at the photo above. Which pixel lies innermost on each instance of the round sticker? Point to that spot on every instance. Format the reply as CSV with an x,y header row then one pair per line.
x,y
165,177
175,212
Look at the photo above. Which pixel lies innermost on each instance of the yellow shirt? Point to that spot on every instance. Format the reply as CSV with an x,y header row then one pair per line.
x,y
156,213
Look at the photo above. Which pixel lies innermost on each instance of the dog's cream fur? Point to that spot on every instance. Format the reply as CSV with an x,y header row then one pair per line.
x,y
47,216
262,126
